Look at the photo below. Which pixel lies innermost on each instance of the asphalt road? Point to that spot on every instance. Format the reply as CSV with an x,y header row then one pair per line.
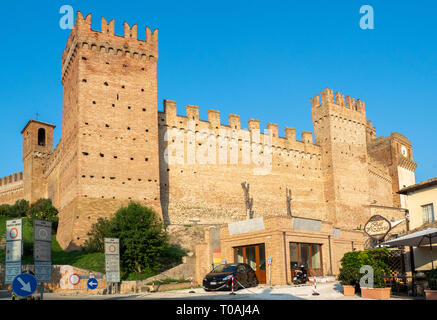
x,y
327,291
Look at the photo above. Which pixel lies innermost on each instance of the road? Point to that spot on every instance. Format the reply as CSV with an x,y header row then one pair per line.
x,y
327,291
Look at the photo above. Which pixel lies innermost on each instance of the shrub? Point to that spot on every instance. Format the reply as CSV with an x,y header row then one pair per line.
x,y
144,244
43,209
352,262
4,210
99,231
432,279
17,210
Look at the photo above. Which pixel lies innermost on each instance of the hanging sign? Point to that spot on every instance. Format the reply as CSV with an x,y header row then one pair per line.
x,y
377,227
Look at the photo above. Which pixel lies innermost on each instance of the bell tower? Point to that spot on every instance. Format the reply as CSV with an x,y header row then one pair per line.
x,y
37,148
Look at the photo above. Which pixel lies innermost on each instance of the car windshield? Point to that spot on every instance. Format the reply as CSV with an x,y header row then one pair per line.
x,y
225,268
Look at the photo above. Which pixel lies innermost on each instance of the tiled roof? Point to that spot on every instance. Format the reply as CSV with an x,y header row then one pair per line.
x,y
418,186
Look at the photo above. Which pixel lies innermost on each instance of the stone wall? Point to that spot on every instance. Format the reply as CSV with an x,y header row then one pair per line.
x,y
11,188
60,280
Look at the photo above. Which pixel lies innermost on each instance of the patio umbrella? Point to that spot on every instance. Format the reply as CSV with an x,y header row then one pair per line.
x,y
416,239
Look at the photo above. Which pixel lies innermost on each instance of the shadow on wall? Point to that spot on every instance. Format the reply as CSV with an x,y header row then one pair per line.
x,y
163,171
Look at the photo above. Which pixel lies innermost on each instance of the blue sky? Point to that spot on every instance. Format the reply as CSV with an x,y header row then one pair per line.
x,y
258,59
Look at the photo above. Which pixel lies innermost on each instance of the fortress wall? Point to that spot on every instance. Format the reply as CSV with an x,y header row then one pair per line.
x,y
380,183
211,193
11,188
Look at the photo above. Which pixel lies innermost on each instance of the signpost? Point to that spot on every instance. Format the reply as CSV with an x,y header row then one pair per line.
x,y
112,260
24,284
13,249
377,227
42,252
92,283
74,279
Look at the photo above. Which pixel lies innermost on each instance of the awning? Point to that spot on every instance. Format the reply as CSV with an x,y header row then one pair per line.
x,y
416,239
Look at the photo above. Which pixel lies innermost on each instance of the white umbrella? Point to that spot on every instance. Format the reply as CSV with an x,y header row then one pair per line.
x,y
416,239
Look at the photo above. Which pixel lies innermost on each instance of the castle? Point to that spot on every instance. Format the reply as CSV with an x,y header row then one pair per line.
x,y
114,143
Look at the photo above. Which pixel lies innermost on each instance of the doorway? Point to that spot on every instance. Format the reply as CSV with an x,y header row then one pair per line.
x,y
255,257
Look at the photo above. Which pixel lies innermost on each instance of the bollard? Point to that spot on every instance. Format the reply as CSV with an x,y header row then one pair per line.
x,y
315,293
191,284
233,293
153,285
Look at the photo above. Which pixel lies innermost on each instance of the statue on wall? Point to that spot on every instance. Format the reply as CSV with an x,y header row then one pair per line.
x,y
248,200
289,198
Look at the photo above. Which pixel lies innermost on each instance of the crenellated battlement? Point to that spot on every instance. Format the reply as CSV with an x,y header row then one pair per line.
x,y
171,119
327,98
11,179
106,41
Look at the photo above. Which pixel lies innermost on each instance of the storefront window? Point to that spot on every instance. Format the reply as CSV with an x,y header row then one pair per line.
x,y
251,257
305,255
262,257
239,255
294,258
316,262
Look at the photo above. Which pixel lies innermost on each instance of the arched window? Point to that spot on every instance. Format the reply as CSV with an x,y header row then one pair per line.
x,y
41,137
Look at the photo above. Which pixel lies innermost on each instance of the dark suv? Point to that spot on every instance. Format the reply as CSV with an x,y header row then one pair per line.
x,y
220,278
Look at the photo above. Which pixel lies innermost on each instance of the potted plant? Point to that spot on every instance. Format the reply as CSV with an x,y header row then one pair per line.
x,y
349,273
347,278
378,291
431,292
378,260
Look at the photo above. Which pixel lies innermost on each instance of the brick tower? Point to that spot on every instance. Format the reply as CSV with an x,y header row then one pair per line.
x,y
340,129
396,152
37,148
110,126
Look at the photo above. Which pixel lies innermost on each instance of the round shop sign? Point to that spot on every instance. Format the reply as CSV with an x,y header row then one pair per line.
x,y
377,227
74,279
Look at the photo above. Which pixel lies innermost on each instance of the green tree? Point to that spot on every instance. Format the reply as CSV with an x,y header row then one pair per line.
x,y
18,210
43,209
99,231
4,209
144,244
